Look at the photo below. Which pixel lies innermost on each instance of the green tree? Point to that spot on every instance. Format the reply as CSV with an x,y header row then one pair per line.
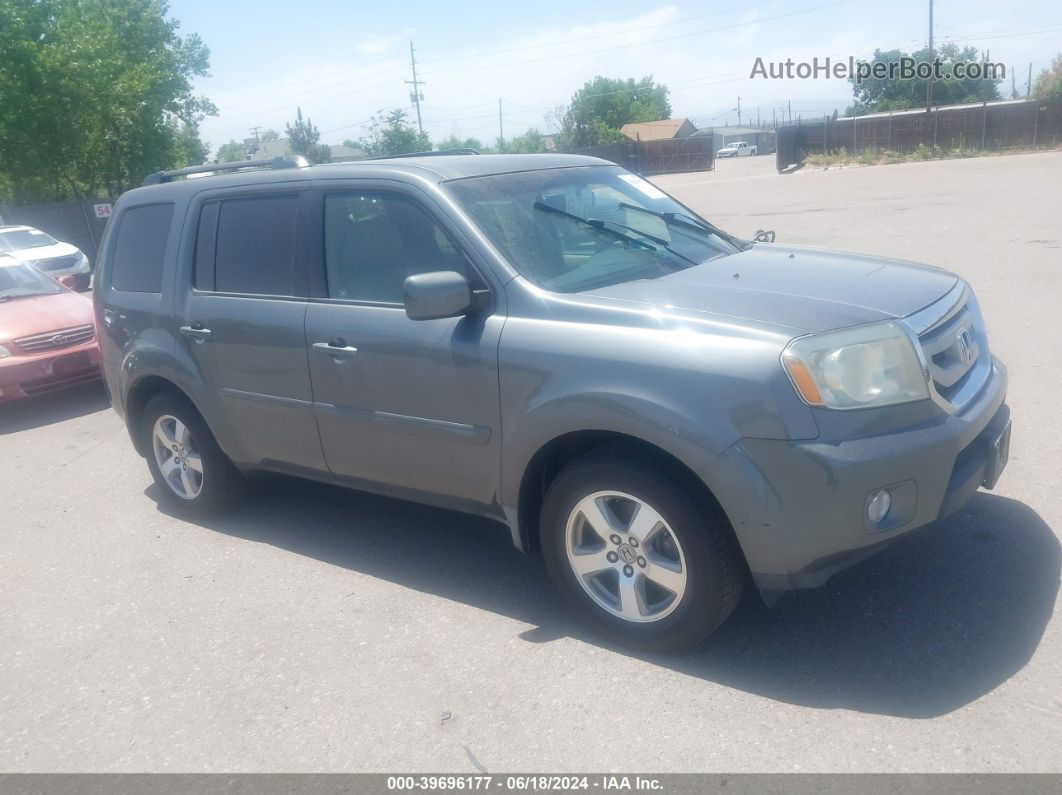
x,y
189,148
531,142
453,142
1049,82
603,105
268,134
390,133
230,152
875,95
95,95
304,139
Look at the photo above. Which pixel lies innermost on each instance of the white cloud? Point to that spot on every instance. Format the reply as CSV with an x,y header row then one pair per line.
x,y
375,44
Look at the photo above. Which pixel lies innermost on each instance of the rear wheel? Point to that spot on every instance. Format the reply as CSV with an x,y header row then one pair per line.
x,y
636,556
192,472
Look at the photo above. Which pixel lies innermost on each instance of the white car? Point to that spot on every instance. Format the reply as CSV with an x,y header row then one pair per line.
x,y
736,149
46,254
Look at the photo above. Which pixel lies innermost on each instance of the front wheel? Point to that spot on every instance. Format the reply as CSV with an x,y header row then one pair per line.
x,y
639,558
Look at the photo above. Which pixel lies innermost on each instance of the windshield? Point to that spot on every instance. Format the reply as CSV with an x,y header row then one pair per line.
x,y
19,239
22,281
569,230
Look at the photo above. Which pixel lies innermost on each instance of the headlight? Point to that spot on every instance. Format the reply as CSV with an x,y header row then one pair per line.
x,y
857,368
83,264
4,352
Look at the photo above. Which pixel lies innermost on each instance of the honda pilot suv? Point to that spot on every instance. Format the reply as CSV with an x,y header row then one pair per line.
x,y
666,412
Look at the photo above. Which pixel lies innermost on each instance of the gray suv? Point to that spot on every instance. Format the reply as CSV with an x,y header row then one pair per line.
x,y
667,412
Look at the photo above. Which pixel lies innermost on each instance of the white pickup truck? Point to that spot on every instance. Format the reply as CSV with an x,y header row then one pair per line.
x,y
736,149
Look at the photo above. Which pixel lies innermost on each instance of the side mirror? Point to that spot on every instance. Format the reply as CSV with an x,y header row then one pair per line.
x,y
763,236
69,281
430,296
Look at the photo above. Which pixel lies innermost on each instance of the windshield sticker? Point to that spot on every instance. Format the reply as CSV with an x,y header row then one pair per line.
x,y
646,187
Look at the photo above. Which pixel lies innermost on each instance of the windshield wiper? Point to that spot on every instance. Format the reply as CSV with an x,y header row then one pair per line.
x,y
595,223
15,297
681,219
658,240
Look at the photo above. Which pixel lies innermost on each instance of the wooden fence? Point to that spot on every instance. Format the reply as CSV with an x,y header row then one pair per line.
x,y
989,126
669,156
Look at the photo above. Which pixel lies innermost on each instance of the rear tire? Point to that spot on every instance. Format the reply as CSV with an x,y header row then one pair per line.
x,y
194,476
674,576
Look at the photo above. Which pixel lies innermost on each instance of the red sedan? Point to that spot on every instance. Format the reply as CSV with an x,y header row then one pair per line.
x,y
47,336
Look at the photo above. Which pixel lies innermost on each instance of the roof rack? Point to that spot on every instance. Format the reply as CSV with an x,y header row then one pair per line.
x,y
435,153
236,165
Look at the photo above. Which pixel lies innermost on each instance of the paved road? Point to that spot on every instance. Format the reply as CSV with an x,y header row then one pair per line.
x,y
326,630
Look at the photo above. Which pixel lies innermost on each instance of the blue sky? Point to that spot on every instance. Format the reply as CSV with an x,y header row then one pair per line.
x,y
342,61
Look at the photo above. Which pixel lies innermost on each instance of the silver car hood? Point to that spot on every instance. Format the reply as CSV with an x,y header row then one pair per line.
x,y
803,289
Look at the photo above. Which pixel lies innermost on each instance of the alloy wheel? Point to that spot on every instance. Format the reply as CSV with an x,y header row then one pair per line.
x,y
177,456
625,556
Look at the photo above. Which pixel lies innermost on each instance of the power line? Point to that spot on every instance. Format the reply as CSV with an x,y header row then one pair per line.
x,y
298,94
697,82
578,39
650,41
393,69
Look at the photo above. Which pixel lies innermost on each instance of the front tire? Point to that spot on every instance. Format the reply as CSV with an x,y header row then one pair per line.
x,y
193,474
638,558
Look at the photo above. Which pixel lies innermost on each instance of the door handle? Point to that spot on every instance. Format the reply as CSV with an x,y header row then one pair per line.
x,y
196,332
337,348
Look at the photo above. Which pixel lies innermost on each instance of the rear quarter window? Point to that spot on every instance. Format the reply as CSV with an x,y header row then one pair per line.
x,y
140,248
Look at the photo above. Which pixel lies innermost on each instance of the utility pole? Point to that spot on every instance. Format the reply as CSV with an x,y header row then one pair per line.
x,y
1028,86
257,144
790,111
929,82
501,132
739,111
415,94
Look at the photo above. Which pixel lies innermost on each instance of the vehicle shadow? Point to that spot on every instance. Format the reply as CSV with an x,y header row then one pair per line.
x,y
24,415
923,628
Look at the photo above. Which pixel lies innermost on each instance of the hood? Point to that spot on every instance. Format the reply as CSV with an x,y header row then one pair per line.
x,y
804,289
24,317
45,252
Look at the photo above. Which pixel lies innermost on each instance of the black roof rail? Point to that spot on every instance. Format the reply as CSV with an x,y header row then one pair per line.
x,y
236,165
437,152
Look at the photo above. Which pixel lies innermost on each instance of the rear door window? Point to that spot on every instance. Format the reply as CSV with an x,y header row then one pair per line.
x,y
254,252
140,248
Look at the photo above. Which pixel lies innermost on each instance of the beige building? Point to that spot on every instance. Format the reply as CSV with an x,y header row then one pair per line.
x,y
659,130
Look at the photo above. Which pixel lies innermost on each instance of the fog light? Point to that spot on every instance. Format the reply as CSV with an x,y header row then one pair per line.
x,y
879,505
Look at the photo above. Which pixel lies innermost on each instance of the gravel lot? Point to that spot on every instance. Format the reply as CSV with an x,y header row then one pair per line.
x,y
321,629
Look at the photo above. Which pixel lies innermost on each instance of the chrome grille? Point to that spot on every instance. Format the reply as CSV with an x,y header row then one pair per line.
x,y
58,263
952,335
56,340
952,350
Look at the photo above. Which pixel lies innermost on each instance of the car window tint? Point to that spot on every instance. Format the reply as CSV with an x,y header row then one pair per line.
x,y
373,242
205,243
140,248
255,250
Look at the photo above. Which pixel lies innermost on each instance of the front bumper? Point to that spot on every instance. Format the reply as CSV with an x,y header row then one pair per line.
x,y
799,509
30,376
